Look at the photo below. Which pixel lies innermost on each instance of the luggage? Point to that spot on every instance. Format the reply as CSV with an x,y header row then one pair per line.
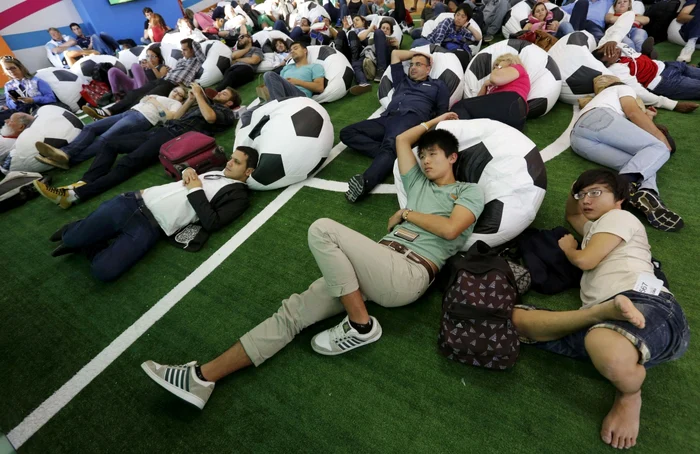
x,y
476,326
192,149
16,189
94,91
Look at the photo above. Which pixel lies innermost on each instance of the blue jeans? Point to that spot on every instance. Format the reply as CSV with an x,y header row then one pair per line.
x,y
609,139
100,46
279,88
635,38
382,50
118,234
679,81
564,29
87,144
494,12
692,28
420,42
665,337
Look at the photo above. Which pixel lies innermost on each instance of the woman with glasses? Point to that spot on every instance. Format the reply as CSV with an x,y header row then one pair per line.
x,y
24,92
503,97
153,67
615,132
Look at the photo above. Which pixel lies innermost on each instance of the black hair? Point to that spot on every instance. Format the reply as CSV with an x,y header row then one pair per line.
x,y
466,9
616,183
444,140
364,21
156,50
189,42
427,59
387,21
274,42
147,10
73,24
235,97
251,155
300,42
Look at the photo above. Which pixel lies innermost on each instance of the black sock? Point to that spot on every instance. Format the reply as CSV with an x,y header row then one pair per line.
x,y
198,372
632,177
362,328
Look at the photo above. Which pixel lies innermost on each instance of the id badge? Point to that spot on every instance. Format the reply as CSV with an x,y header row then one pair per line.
x,y
406,234
649,284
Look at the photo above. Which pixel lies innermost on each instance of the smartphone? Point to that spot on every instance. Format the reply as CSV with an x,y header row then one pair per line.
x,y
14,94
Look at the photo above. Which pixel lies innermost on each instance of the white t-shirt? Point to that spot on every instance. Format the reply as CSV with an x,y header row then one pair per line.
x,y
610,99
619,270
6,146
152,112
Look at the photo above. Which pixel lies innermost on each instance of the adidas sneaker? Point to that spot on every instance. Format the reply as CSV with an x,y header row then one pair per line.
x,y
343,337
181,381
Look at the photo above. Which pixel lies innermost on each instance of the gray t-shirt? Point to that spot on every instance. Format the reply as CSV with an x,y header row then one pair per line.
x,y
251,52
426,197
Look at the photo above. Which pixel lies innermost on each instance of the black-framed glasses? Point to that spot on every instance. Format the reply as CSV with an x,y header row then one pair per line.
x,y
593,193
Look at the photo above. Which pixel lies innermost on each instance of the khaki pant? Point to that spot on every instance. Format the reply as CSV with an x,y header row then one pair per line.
x,y
348,261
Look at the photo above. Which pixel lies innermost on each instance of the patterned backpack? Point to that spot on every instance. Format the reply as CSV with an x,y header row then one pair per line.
x,y
476,326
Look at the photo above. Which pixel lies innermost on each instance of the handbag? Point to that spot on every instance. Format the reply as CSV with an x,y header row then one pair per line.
x,y
94,91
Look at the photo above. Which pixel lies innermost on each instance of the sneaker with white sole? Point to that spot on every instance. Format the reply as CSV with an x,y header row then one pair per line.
x,y
360,89
356,188
96,113
343,337
60,197
181,381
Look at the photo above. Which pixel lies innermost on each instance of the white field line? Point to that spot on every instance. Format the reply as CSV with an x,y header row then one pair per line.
x,y
563,142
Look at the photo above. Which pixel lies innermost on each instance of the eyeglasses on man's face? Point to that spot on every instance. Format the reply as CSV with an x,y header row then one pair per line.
x,y
593,193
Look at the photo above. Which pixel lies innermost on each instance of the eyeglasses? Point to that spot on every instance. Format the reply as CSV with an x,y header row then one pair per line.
x,y
411,65
593,193
8,58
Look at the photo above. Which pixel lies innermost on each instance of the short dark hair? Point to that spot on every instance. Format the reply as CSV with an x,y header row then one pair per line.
x,y
440,138
427,59
74,25
251,156
301,43
616,183
274,42
466,9
147,10
187,41
387,21
235,97
364,21
159,54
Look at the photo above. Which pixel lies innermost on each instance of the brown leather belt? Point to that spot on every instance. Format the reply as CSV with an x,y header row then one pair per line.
x,y
401,249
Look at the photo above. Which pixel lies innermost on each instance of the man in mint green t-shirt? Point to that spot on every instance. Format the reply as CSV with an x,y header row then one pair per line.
x,y
299,79
394,272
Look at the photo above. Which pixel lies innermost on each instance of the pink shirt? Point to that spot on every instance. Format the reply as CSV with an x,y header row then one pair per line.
x,y
521,85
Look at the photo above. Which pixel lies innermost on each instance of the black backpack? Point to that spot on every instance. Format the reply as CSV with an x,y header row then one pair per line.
x,y
476,326
99,72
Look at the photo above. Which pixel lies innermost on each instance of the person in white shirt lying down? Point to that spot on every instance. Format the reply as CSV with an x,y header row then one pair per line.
x,y
150,111
122,230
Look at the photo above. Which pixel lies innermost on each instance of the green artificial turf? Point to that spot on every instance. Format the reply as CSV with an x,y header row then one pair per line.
x,y
398,395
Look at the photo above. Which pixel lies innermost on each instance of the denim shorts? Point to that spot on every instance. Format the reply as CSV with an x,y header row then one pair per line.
x,y
665,337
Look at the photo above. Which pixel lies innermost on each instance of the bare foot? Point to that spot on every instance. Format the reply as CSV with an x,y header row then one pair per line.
x,y
621,308
621,425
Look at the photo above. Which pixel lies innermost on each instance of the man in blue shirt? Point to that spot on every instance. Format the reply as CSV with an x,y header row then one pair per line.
x,y
416,99
299,79
595,19
102,43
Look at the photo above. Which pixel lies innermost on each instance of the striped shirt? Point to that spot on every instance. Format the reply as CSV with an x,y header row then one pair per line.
x,y
186,69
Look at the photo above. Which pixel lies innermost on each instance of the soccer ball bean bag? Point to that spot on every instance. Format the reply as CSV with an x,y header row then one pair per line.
x,y
53,125
674,32
446,67
128,57
431,24
578,67
516,18
65,84
263,39
545,79
337,69
508,168
171,53
86,65
217,61
310,10
293,138
375,20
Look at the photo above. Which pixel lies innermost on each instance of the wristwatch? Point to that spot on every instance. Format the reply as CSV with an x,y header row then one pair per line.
x,y
404,215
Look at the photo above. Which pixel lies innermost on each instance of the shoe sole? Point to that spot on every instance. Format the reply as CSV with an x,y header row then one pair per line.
x,y
357,90
355,190
184,395
92,113
62,202
649,206
367,342
50,152
51,162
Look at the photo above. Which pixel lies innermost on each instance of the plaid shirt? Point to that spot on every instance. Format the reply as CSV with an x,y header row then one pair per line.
x,y
447,28
186,69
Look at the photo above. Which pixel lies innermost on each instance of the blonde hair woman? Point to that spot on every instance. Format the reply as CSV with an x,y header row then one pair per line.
x,y
24,92
503,97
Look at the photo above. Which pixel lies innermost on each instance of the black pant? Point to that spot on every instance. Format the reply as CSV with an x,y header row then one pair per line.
x,y
235,76
159,87
377,139
507,107
141,149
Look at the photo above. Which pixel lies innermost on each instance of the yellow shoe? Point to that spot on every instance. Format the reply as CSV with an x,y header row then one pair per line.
x,y
72,185
56,195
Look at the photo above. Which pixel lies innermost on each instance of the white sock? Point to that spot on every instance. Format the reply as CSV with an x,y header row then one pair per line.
x,y
690,46
72,198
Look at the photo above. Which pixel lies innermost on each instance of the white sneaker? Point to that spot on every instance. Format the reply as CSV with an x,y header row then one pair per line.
x,y
687,52
181,381
343,337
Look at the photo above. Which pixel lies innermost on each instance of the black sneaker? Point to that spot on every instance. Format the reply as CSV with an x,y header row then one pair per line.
x,y
657,214
356,188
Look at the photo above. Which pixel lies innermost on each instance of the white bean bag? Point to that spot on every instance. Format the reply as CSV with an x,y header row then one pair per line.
x,y
218,60
578,67
263,39
53,125
446,67
239,18
174,37
171,54
338,72
310,10
545,79
431,24
375,20
508,168
128,57
516,18
86,65
65,84
293,138
674,34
